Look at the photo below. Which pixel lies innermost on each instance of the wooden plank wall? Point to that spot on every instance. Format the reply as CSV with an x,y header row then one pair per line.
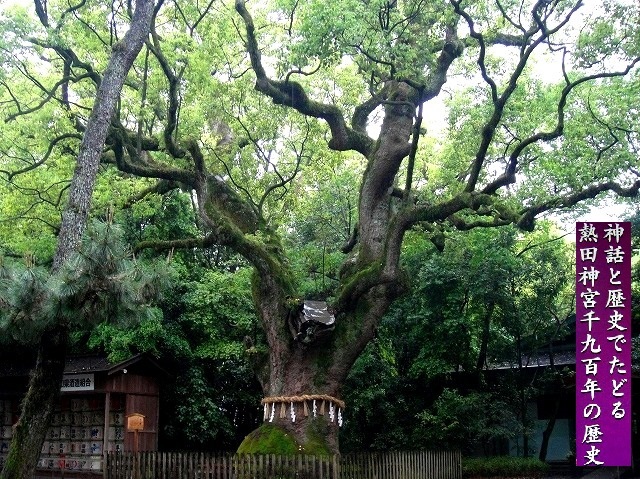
x,y
148,406
391,465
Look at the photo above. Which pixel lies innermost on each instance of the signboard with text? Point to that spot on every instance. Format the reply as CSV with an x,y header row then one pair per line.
x,y
77,382
603,344
135,422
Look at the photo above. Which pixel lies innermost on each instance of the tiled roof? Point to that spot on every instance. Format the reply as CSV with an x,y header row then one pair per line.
x,y
87,364
76,365
564,358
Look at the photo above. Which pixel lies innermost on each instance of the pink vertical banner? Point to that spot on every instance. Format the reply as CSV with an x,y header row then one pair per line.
x,y
603,344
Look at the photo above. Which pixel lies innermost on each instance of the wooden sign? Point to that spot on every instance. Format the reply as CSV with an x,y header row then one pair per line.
x,y
135,422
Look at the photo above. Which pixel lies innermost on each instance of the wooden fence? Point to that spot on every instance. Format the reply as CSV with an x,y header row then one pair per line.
x,y
391,465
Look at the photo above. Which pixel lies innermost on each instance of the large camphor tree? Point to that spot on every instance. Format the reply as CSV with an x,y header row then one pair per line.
x,y
235,104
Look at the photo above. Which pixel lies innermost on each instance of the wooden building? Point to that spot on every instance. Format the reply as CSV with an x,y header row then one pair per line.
x,y
97,397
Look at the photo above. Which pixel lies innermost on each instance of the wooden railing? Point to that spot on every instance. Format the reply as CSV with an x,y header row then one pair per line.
x,y
390,465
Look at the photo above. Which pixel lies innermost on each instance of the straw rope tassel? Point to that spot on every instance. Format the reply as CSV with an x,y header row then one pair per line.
x,y
273,401
305,397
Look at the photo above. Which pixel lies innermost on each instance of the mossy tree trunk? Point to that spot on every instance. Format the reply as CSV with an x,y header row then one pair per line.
x,y
38,406
371,277
293,369
370,280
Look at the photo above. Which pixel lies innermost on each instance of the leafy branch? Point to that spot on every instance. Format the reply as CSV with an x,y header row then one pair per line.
x,y
509,176
292,94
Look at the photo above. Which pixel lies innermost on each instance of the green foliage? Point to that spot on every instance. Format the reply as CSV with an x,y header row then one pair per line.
x,y
378,398
100,283
383,39
467,422
325,216
21,290
219,310
503,466
121,341
209,401
429,342
198,414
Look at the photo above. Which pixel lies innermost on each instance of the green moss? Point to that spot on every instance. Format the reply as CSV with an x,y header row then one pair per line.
x,y
316,444
356,283
271,439
268,439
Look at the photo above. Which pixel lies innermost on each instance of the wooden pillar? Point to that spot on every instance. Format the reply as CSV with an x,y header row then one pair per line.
x,y
107,424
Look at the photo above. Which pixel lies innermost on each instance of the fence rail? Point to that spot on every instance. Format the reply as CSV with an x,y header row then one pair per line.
x,y
391,465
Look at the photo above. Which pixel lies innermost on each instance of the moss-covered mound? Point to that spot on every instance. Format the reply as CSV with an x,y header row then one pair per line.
x,y
268,439
271,439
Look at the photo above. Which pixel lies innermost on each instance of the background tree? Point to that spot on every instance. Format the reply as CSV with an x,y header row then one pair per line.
x,y
493,297
98,284
360,83
209,399
44,382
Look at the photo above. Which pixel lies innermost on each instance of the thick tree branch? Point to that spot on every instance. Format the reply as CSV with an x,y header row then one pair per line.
x,y
509,176
69,56
160,188
288,93
463,224
140,163
528,215
52,144
451,50
41,11
363,111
